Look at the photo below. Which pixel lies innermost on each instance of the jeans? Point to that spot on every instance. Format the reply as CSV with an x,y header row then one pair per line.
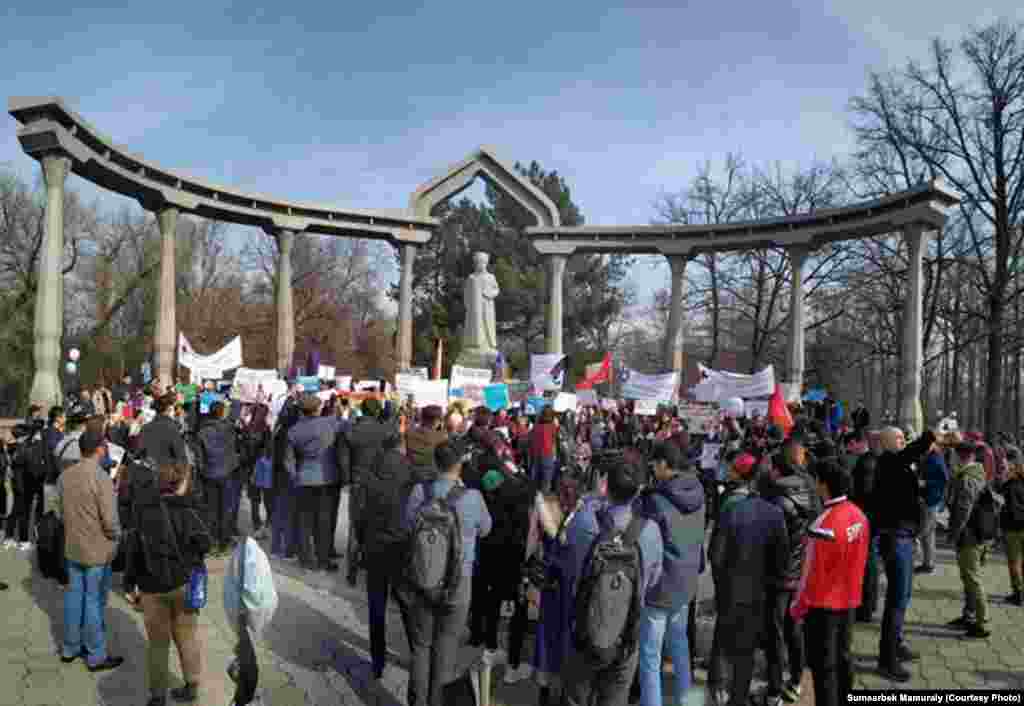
x,y
433,635
970,558
783,637
927,536
544,474
167,619
587,685
378,590
828,636
283,539
869,602
85,607
221,501
897,553
315,518
662,629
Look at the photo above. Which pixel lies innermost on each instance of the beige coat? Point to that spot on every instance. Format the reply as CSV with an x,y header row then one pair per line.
x,y
89,508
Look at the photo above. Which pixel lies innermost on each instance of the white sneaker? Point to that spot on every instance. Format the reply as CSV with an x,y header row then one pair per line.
x,y
513,676
492,658
25,546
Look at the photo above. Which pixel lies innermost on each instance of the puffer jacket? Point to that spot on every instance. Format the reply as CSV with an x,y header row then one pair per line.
x,y
381,530
310,454
796,496
361,444
676,506
968,482
219,442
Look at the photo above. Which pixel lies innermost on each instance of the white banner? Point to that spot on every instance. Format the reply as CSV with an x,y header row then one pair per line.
x,y
252,386
228,357
326,372
343,382
726,384
431,393
645,408
756,408
540,371
699,418
462,377
415,372
637,386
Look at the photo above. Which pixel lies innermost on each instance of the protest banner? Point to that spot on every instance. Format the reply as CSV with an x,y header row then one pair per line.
x,y
718,385
469,383
414,372
541,365
645,408
326,372
638,386
699,417
309,383
536,405
756,408
343,382
496,397
565,402
431,393
586,397
227,358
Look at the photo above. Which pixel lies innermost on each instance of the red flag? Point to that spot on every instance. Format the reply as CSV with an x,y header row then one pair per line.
x,y
602,374
778,412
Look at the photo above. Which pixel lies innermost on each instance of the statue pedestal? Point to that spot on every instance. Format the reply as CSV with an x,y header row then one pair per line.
x,y
477,358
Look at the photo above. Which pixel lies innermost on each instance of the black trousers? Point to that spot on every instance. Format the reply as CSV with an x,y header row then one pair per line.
x,y
379,584
335,493
587,685
828,634
869,604
314,513
216,492
784,637
20,520
738,631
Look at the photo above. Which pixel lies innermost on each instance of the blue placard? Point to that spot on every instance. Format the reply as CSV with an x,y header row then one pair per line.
x,y
310,383
496,397
534,405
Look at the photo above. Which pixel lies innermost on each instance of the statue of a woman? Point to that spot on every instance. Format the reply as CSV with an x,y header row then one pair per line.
x,y
480,292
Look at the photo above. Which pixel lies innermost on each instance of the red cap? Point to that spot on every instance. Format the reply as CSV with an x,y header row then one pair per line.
x,y
744,464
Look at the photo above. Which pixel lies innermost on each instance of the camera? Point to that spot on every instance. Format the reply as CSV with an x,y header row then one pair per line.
x,y
24,430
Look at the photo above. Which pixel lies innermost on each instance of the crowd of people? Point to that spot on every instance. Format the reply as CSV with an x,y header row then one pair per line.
x,y
594,525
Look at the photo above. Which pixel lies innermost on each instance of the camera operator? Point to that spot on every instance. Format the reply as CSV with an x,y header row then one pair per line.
x,y
30,463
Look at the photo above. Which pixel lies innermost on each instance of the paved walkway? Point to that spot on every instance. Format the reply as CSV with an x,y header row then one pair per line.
x,y
316,650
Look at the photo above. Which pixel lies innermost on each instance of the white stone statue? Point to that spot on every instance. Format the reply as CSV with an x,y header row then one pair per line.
x,y
481,290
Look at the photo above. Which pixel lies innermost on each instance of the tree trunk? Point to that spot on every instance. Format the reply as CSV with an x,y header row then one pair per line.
x,y
994,374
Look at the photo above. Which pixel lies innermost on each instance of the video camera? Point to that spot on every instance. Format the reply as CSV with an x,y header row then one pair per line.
x,y
25,430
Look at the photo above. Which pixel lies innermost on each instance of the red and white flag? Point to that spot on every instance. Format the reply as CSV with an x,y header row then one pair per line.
x,y
597,373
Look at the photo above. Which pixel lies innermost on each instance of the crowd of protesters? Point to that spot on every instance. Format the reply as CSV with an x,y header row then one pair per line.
x,y
795,527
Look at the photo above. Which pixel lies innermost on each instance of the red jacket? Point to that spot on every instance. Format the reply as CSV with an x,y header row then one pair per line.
x,y
837,552
542,441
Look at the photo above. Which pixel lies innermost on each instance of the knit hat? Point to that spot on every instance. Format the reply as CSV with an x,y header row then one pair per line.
x,y
491,480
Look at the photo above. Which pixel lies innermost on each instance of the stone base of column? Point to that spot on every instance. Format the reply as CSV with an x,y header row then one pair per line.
x,y
46,390
912,415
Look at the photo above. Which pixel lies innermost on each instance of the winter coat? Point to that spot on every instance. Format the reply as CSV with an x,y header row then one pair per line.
x,y
796,496
162,441
863,476
676,506
310,455
361,446
936,476
749,548
219,442
382,531
1013,510
896,499
968,482
190,534
421,442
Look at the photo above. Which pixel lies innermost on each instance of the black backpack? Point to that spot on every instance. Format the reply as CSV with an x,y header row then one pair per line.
x,y
609,599
984,519
50,547
435,547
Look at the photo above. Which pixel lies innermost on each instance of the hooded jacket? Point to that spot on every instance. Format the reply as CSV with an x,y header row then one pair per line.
x,y
162,441
676,506
381,527
795,495
310,453
968,482
219,442
361,445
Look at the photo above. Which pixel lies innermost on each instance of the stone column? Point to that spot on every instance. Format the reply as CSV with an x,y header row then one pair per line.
x,y
673,352
165,341
404,352
795,345
910,403
285,308
556,274
49,313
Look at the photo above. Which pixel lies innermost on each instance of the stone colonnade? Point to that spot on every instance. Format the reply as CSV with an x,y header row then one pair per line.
x,y
793,371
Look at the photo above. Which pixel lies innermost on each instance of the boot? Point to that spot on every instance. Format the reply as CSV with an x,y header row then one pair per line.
x,y
1016,598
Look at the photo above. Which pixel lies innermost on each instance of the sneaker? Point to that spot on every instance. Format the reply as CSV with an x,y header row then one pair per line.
x,y
187,693
492,658
924,570
960,623
69,660
513,675
894,672
107,664
976,632
1016,598
791,693
905,654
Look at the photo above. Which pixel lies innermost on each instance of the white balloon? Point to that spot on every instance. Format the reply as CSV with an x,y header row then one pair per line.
x,y
74,354
71,368
733,407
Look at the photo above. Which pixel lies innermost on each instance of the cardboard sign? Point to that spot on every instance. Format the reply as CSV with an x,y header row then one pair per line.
x,y
638,386
540,371
536,405
699,417
645,408
496,397
310,383
565,402
326,372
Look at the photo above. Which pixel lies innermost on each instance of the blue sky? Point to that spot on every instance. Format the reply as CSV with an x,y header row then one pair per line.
x,y
357,103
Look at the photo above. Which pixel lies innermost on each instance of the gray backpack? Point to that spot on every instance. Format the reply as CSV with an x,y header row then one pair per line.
x,y
435,547
609,599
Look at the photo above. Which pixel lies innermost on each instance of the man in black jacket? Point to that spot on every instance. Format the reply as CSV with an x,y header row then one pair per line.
x,y
896,504
749,550
357,450
381,531
161,439
862,463
792,490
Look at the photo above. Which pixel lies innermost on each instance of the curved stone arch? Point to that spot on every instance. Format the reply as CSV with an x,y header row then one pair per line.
x,y
484,163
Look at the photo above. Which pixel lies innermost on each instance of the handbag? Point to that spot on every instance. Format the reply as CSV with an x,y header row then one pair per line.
x,y
198,578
